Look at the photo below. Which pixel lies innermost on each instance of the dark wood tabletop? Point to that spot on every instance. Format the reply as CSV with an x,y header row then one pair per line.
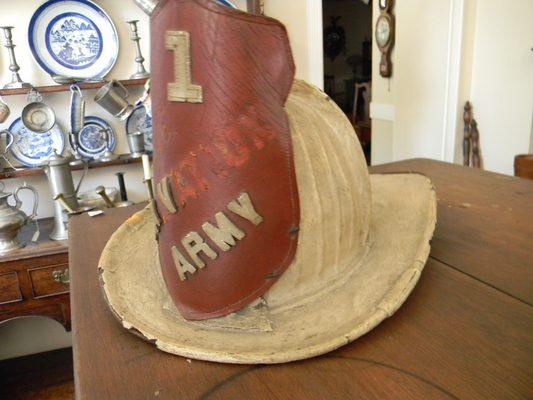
x,y
466,331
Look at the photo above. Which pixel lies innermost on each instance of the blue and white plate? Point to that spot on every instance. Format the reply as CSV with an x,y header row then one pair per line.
x,y
91,139
73,38
227,3
139,120
33,149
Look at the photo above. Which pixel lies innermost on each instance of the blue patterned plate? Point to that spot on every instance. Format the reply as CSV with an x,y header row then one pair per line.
x,y
73,38
227,3
33,149
140,121
91,140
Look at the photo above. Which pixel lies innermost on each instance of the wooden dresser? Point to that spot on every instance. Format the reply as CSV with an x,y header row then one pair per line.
x,y
34,281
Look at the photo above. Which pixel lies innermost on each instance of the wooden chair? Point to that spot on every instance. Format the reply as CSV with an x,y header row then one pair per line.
x,y
523,166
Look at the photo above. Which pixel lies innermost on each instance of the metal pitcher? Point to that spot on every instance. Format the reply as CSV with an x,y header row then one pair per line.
x,y
60,179
12,219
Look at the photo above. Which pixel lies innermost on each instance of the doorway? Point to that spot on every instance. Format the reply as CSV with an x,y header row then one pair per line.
x,y
348,62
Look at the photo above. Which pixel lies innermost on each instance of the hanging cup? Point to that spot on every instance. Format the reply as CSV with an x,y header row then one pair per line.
x,y
112,97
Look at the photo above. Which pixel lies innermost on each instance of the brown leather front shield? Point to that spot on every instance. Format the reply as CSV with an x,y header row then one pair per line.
x,y
223,167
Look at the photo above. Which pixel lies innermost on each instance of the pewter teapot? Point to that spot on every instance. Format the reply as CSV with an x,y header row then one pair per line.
x,y
12,219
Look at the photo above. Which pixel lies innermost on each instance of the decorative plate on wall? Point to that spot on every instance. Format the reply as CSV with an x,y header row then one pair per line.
x,y
92,140
33,149
140,121
73,38
227,3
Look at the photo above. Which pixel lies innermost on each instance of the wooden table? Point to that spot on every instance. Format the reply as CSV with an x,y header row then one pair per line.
x,y
465,332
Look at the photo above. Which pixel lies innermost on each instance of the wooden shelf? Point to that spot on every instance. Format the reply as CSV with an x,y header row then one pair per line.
x,y
124,159
66,88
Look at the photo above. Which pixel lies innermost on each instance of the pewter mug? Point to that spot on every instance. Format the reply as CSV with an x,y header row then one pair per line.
x,y
112,97
4,111
12,219
136,144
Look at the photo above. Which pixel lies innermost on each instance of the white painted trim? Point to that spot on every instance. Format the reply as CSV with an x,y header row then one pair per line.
x,y
453,78
315,49
383,112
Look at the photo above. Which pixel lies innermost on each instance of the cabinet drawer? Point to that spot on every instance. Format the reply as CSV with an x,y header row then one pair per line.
x,y
9,288
45,284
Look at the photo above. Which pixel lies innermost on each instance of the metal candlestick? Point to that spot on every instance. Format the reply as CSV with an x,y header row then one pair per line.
x,y
122,186
149,188
147,171
16,82
139,59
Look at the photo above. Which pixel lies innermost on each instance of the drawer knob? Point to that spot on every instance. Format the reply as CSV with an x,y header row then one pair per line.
x,y
61,276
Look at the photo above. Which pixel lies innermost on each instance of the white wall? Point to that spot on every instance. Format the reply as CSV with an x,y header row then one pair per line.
x,y
448,52
409,110
465,82
420,67
502,80
27,336
303,19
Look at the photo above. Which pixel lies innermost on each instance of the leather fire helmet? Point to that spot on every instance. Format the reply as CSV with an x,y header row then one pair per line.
x,y
268,240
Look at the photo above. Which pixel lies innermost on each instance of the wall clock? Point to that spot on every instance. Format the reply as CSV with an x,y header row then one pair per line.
x,y
385,36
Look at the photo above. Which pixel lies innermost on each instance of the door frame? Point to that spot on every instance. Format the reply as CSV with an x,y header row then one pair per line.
x,y
315,40
452,108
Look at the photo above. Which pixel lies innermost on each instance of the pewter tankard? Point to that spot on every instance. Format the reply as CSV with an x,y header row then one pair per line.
x,y
60,179
112,97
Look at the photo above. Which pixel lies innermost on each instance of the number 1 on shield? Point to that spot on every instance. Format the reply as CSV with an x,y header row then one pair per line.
x,y
182,90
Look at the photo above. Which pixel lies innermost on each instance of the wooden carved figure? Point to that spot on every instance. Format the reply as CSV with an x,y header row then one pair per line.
x,y
467,117
476,154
